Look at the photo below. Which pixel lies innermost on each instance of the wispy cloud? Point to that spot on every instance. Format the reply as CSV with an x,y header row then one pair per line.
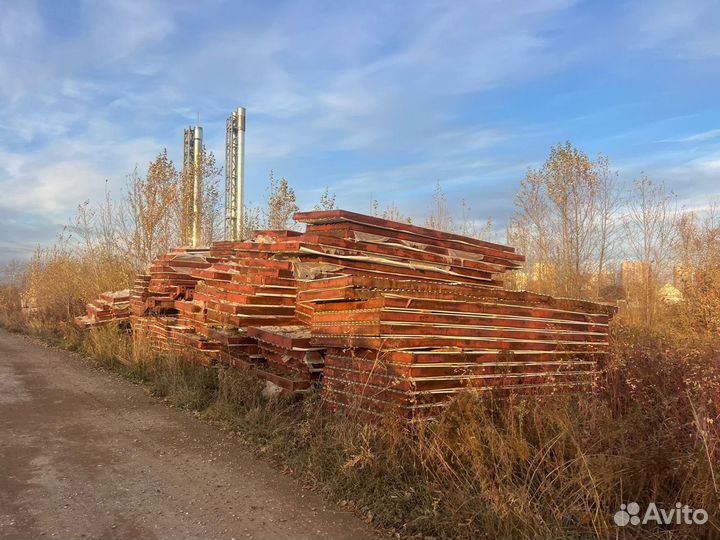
x,y
684,29
373,100
697,137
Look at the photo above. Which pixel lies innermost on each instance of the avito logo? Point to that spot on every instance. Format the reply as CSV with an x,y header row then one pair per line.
x,y
629,514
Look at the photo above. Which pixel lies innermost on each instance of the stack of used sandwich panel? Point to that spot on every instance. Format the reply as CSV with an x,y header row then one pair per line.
x,y
171,274
237,308
289,359
246,289
170,277
384,315
249,291
139,294
153,301
255,283
411,346
240,286
343,242
111,306
408,340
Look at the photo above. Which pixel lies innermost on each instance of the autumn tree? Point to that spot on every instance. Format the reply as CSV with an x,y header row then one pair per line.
x,y
13,278
390,212
697,274
252,220
183,207
212,211
147,212
480,229
327,201
564,218
212,216
94,237
281,204
442,218
651,231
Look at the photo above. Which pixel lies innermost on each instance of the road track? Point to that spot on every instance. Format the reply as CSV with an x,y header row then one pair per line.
x,y
85,453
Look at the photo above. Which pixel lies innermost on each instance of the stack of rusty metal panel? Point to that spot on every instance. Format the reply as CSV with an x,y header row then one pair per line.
x,y
248,288
289,360
373,246
110,306
410,316
171,274
249,291
139,294
384,315
155,315
349,244
411,346
240,286
244,286
255,283
170,277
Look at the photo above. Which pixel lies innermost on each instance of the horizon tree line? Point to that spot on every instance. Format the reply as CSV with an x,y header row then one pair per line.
x,y
574,220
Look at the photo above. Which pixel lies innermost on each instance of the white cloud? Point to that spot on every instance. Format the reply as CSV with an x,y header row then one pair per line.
x,y
121,29
685,29
54,180
346,79
708,164
697,137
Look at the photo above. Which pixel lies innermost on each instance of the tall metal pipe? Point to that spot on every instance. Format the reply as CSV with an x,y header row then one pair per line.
x,y
229,189
234,174
240,174
197,135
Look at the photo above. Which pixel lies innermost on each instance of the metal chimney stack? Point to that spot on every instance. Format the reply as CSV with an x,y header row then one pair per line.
x,y
192,159
234,174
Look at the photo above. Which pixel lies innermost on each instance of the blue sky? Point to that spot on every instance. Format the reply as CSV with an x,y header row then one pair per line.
x,y
373,99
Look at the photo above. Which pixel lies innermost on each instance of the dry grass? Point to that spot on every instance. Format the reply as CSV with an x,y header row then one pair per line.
x,y
183,382
558,467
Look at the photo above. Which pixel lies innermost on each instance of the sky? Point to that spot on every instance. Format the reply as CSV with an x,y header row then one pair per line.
x,y
376,100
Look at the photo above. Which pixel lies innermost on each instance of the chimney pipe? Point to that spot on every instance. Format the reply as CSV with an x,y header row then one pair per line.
x,y
234,174
197,134
240,175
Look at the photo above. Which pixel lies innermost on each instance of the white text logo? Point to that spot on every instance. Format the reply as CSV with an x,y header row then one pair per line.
x,y
629,514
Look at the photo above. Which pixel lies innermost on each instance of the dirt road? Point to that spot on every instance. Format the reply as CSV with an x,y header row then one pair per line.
x,y
86,454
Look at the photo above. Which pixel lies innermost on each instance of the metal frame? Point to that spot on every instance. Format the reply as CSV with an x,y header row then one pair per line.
x,y
234,174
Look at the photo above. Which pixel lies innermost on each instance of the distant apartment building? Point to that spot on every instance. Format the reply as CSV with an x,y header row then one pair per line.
x,y
533,273
632,275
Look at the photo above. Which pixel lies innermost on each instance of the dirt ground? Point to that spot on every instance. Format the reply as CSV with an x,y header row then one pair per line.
x,y
87,454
